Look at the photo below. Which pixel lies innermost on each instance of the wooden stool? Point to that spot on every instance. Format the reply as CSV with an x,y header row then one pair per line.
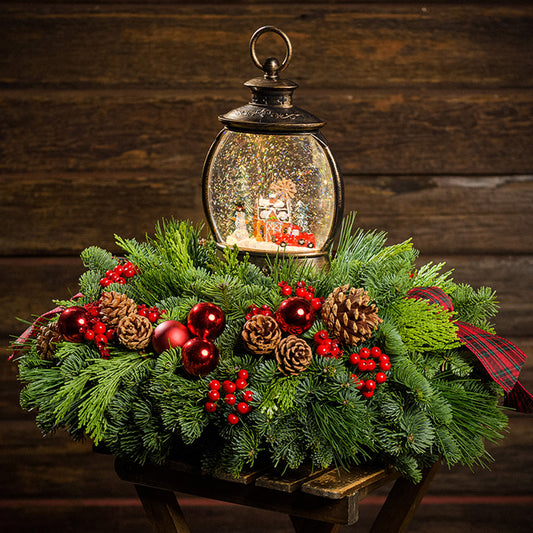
x,y
317,502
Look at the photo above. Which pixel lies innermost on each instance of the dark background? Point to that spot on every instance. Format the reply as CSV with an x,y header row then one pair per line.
x,y
106,113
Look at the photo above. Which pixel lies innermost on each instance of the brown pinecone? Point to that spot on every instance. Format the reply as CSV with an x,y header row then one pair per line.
x,y
349,316
114,307
261,334
47,338
135,332
293,355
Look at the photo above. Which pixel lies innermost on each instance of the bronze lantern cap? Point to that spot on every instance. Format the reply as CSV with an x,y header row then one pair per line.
x,y
271,109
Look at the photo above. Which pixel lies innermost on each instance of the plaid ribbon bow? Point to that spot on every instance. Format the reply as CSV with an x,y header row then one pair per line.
x,y
500,357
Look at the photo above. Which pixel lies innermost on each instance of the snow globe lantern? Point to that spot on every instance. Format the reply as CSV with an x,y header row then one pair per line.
x,y
270,182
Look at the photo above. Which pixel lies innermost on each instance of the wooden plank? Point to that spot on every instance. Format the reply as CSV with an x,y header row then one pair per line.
x,y
362,44
337,484
443,214
343,511
288,481
374,132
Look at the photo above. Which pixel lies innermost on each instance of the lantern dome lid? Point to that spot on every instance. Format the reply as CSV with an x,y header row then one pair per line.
x,y
271,108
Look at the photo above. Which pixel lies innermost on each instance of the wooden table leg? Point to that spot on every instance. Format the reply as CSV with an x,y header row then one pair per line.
x,y
162,509
402,502
305,525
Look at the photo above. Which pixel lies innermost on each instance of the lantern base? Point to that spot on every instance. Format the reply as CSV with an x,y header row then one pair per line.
x,y
264,260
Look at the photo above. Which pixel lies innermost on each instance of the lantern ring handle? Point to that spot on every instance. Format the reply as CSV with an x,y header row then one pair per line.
x,y
286,40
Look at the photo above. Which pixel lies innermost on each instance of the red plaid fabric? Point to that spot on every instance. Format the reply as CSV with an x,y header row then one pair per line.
x,y
500,357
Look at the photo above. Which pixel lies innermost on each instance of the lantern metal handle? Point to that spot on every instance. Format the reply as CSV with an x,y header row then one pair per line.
x,y
271,67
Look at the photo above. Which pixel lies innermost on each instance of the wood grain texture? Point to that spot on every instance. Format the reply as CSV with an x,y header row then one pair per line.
x,y
371,132
42,213
154,45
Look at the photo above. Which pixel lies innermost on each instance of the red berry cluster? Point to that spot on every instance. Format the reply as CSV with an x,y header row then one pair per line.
x,y
97,331
120,274
303,291
263,310
326,347
230,390
153,314
370,360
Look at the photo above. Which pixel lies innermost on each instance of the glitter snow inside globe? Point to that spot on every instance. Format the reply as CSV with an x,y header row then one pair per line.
x,y
270,183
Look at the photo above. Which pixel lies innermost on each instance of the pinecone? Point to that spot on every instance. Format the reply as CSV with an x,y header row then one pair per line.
x,y
114,307
47,338
348,315
135,332
261,334
293,355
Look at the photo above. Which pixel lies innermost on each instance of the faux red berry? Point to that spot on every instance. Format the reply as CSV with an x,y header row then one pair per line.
x,y
381,377
153,316
243,374
243,408
375,351
383,358
213,395
105,282
370,384
354,358
142,311
99,328
301,292
384,365
301,284
367,393
210,407
89,335
119,269
359,384
233,419
247,395
321,336
241,384
310,289
121,281
322,350
229,386
316,303
361,365
230,399
364,353
286,290
370,364
128,272
110,333
109,274
214,384
100,339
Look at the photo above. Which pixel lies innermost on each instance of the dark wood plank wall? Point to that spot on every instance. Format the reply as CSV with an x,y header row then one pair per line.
x,y
107,111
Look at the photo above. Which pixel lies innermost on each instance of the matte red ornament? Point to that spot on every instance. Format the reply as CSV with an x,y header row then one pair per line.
x,y
199,356
169,334
295,315
206,320
72,323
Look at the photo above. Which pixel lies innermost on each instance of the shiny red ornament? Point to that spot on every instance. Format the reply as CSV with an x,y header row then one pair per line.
x,y
72,323
169,334
295,315
206,320
199,356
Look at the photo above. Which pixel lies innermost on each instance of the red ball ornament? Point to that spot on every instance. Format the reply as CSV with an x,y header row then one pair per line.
x,y
169,334
295,315
199,356
72,323
206,320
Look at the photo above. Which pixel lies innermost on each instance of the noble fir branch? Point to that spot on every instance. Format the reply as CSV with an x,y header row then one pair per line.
x,y
475,306
279,395
141,254
89,284
98,260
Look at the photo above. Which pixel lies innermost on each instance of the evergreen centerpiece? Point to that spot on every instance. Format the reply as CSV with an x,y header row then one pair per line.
x,y
176,350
